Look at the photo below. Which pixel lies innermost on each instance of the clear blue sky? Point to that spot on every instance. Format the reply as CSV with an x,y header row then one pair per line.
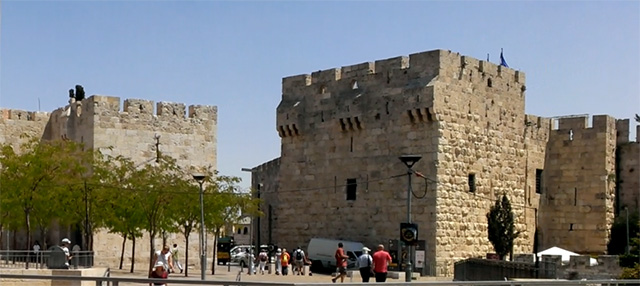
x,y
579,57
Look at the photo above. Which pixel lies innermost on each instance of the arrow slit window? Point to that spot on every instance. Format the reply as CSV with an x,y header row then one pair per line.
x,y
352,186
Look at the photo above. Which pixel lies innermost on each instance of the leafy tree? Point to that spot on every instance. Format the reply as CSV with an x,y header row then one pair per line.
x,y
155,182
31,175
185,211
501,227
225,204
125,216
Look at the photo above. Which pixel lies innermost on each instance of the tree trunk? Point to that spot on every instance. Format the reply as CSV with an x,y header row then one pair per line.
x,y
124,240
152,237
215,252
164,238
186,254
28,224
133,252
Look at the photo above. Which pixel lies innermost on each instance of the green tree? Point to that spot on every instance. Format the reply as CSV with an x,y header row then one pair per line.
x,y
125,216
33,174
225,205
155,182
185,210
501,227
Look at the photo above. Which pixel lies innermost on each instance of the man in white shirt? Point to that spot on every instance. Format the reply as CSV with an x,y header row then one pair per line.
x,y
176,257
65,247
364,264
164,256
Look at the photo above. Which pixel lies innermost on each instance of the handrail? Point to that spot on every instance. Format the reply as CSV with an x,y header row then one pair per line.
x,y
116,280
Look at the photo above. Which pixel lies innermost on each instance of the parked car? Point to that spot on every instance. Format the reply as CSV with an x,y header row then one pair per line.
x,y
238,254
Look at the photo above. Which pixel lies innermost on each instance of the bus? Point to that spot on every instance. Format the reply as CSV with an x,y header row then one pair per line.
x,y
224,246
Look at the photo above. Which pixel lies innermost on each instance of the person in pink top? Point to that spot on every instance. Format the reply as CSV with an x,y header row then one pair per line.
x,y
381,260
341,263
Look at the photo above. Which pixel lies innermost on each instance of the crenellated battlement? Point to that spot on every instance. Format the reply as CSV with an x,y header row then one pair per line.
x,y
622,131
16,114
110,105
424,65
578,122
537,127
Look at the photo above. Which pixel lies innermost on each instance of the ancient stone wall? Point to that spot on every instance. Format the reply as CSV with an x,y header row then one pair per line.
x,y
628,168
577,202
482,154
18,126
264,183
98,122
344,129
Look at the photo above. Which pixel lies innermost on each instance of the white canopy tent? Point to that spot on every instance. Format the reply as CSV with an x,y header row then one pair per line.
x,y
564,253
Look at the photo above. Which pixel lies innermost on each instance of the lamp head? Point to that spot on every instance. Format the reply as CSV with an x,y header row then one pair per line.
x,y
199,177
410,160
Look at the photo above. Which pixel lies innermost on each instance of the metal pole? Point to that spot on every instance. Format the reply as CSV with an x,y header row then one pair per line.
x,y
249,258
626,209
408,271
203,254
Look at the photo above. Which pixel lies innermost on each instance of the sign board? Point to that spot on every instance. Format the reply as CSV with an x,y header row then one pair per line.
x,y
419,258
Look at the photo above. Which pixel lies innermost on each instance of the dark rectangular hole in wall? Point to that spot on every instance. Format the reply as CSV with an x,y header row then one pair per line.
x,y
472,183
539,181
352,185
351,146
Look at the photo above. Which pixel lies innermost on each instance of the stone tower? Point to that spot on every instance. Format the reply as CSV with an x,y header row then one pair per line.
x,y
343,129
577,205
136,131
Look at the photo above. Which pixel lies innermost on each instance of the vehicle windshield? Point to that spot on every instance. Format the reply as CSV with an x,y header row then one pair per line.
x,y
353,255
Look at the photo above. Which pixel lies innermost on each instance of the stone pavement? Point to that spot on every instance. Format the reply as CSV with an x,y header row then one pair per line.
x,y
224,273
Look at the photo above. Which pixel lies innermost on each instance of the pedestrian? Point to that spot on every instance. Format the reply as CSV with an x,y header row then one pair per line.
x,y
36,250
298,262
159,272
278,261
65,247
364,263
263,257
381,260
341,263
164,256
175,257
307,261
285,262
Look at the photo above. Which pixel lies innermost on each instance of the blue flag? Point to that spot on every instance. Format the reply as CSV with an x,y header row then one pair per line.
x,y
502,61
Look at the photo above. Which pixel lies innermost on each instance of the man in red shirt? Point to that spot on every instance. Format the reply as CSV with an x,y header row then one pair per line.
x,y
341,263
381,260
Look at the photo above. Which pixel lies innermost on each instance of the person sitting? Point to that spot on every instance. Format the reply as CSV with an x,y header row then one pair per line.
x,y
159,272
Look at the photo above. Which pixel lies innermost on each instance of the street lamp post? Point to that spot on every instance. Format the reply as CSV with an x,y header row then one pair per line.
x,y
409,161
203,252
253,229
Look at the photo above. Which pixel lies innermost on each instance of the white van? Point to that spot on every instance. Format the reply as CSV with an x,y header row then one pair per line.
x,y
322,252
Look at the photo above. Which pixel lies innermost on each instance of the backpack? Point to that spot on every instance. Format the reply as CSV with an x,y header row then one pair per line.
x,y
299,254
263,257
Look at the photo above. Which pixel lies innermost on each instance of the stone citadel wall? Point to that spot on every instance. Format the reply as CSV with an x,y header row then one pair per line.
x,y
481,155
100,122
628,169
578,199
343,129
18,126
349,125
